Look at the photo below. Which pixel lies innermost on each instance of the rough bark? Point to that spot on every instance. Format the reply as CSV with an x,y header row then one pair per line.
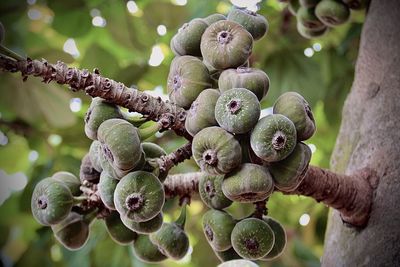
x,y
368,138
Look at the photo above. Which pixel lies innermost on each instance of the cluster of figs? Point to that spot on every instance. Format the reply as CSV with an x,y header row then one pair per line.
x,y
315,17
242,158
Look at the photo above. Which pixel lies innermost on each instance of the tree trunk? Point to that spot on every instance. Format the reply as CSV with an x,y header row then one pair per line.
x,y
368,138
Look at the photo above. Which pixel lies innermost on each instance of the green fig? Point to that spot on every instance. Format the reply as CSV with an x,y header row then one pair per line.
x,y
87,172
309,3
310,33
146,251
217,227
99,111
214,18
238,263
293,6
332,12
70,180
210,190
273,138
145,227
139,196
226,44
237,110
187,78
118,232
94,154
187,40
255,24
106,189
227,255
280,238
202,112
289,172
153,150
216,151
307,18
296,108
356,4
249,183
252,238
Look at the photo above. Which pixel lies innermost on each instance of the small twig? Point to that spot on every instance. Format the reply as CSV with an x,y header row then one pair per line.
x,y
183,184
260,209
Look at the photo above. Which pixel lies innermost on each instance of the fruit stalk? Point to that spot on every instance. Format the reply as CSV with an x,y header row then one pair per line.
x,y
182,184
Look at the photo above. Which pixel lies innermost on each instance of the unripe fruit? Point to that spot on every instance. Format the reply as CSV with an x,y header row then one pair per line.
x,y
332,12
87,172
106,189
310,33
210,189
307,18
117,173
296,108
217,227
252,238
145,227
280,239
238,263
216,151
293,6
249,183
309,3
273,138
226,44
70,180
146,251
254,23
227,255
356,4
254,80
202,112
214,18
94,154
289,172
139,196
153,150
51,201
187,78
99,111
187,40
237,110
118,232
73,231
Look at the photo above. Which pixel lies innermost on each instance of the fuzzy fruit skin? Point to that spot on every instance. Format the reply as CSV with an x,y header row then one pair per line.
x,y
120,144
293,6
94,154
217,227
216,143
280,238
106,188
146,251
307,18
146,227
226,44
152,150
332,12
252,238
356,4
210,190
117,173
238,263
309,3
237,110
214,18
51,201
72,232
227,255
187,40
309,33
202,112
273,138
255,80
143,185
98,112
249,183
70,180
86,171
296,108
289,172
255,24
118,232
187,78
171,240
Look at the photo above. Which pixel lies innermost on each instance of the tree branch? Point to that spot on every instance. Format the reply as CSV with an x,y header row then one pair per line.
x,y
183,184
95,85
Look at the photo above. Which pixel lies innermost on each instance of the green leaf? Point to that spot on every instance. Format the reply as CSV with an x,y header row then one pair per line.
x,y
97,56
71,22
14,155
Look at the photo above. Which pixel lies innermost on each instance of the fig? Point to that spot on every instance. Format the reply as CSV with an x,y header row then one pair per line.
x,y
214,18
187,78
210,190
307,18
252,238
273,138
139,196
202,112
145,227
226,44
249,183
187,40
87,172
309,3
296,108
310,33
106,189
94,154
51,201
293,6
227,255
146,251
70,180
237,110
238,263
117,173
254,23
216,151
289,172
356,4
99,111
118,232
217,227
153,150
332,12
280,238
252,79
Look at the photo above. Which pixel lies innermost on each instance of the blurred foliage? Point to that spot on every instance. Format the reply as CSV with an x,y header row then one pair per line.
x,y
40,134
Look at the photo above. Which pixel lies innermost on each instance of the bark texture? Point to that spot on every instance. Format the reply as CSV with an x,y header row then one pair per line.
x,y
369,137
